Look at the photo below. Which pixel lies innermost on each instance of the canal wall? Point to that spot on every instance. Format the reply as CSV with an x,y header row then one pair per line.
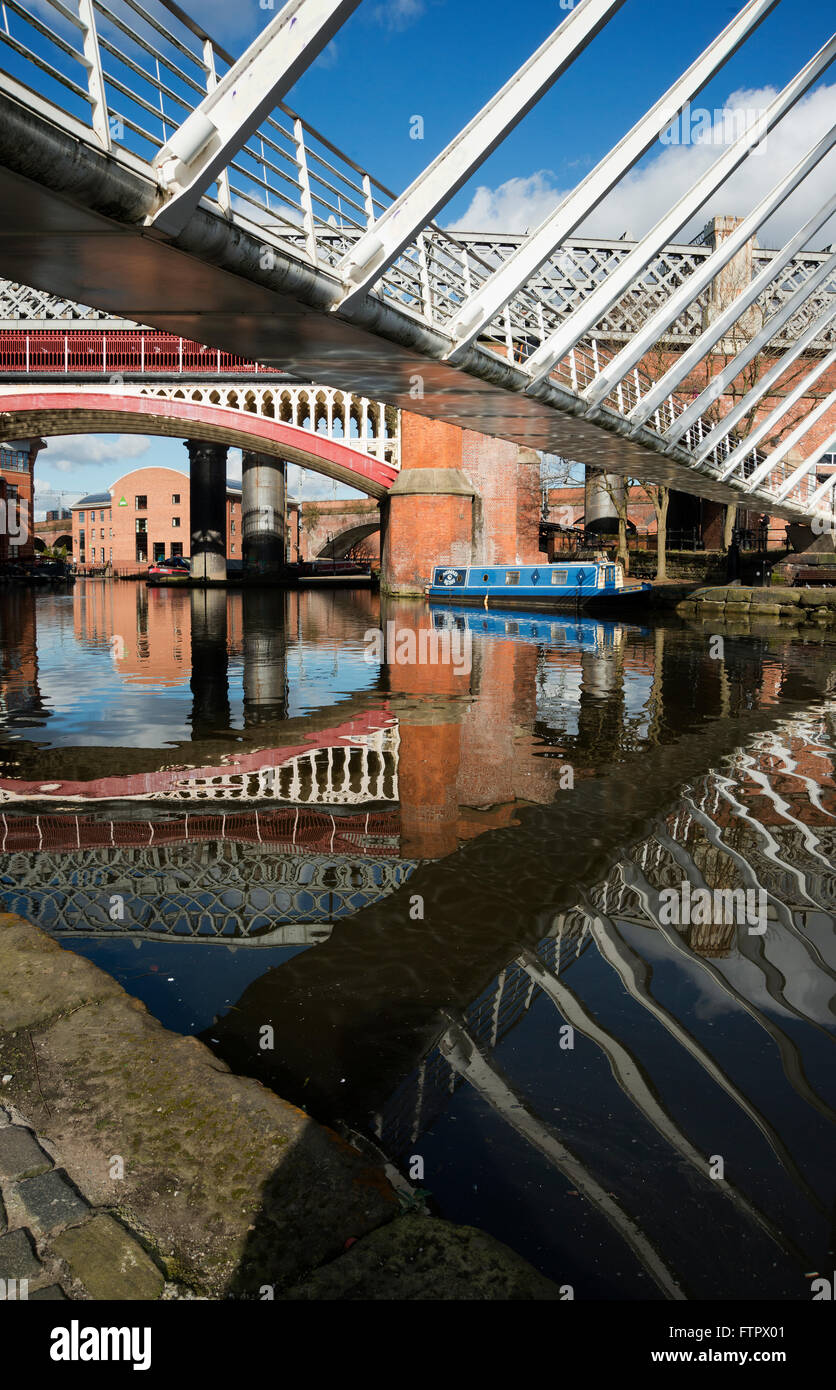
x,y
814,607
135,1165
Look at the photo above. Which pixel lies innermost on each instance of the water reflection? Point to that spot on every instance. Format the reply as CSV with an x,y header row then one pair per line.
x,y
439,879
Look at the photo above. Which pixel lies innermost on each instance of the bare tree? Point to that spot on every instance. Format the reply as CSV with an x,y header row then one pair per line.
x,y
660,496
620,502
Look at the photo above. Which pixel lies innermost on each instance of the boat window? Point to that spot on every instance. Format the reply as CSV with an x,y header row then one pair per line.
x,y
486,578
512,576
560,576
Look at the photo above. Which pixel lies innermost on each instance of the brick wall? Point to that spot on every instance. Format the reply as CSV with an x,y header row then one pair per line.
x,y
110,531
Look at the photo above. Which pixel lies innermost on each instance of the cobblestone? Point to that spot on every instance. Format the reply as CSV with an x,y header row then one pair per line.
x,y
20,1155
108,1261
17,1256
49,1201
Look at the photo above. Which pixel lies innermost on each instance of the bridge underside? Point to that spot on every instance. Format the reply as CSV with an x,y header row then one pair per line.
x,y
75,226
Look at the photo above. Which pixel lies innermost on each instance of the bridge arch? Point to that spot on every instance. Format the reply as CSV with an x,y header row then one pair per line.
x,y
339,546
185,414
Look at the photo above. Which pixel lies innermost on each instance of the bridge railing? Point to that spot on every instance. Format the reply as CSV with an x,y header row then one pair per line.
x,y
130,77
99,353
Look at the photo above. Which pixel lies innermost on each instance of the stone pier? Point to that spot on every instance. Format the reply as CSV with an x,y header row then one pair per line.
x,y
263,493
207,504
461,498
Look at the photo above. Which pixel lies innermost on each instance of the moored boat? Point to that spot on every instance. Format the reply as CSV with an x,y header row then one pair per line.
x,y
580,583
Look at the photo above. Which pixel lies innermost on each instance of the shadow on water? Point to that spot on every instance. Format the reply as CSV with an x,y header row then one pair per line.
x,y
448,899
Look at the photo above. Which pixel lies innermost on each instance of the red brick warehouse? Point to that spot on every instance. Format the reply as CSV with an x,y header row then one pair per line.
x,y
144,516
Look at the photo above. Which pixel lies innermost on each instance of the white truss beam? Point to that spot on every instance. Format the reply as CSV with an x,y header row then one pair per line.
x,y
792,439
763,429
693,286
593,308
724,323
762,388
519,268
757,343
381,245
829,483
212,134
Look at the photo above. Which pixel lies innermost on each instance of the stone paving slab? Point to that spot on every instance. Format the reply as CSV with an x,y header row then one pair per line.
x,y
49,1202
38,978
21,1156
231,1186
108,1261
17,1256
51,1294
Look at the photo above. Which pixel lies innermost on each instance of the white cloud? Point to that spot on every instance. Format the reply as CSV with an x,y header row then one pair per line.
x,y
641,198
329,57
309,486
398,14
519,205
70,451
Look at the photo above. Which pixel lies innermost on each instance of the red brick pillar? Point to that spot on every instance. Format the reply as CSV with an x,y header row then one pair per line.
x,y
429,509
461,498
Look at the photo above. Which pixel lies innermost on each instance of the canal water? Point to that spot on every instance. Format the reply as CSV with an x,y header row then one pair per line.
x,y
542,907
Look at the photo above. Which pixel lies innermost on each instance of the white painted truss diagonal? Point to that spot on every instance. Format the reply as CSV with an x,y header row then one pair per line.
x,y
520,267
202,147
563,339
719,383
773,420
762,387
651,331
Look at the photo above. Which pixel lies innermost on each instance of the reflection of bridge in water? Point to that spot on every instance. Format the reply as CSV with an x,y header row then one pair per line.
x,y
760,825
265,878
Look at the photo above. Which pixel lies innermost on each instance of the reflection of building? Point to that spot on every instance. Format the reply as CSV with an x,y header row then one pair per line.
x,y
144,516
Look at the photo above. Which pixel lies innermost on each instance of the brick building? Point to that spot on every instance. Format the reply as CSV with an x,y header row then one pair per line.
x,y
17,468
144,516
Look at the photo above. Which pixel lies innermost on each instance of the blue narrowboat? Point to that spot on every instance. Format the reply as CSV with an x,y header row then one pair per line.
x,y
568,586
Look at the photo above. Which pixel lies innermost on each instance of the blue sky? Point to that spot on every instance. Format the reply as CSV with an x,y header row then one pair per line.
x,y
442,59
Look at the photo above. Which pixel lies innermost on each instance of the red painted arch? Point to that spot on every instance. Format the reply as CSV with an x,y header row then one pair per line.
x,y
27,413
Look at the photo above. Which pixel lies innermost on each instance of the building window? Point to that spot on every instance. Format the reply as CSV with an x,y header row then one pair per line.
x,y
111,531
101,516
232,550
142,504
175,521
102,533
232,527
177,548
111,554
141,526
175,499
81,539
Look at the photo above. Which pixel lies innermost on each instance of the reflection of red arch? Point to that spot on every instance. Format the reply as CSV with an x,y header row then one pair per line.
x,y
164,782
29,413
